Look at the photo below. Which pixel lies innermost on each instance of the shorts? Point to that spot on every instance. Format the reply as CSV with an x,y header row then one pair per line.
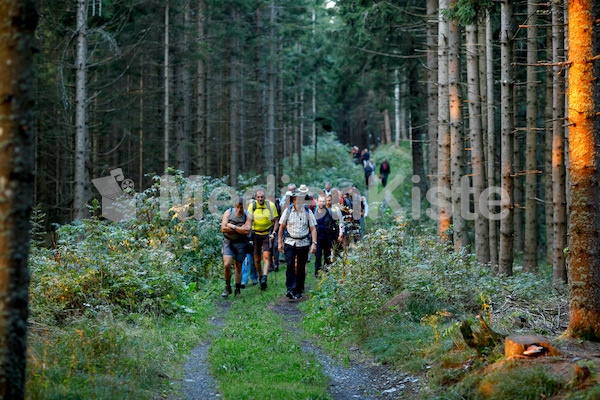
x,y
261,243
236,250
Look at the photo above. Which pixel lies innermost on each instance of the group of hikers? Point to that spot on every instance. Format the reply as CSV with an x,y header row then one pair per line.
x,y
363,157
295,226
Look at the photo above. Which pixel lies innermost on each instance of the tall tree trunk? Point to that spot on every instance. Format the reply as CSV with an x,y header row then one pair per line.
x,y
271,98
259,99
185,153
397,106
301,135
404,135
584,235
432,95
18,20
81,128
476,135
530,245
314,90
491,134
180,92
141,132
549,112
233,105
417,159
558,166
456,137
517,195
166,120
506,92
280,114
314,116
481,43
443,184
201,142
209,162
241,118
387,127
296,130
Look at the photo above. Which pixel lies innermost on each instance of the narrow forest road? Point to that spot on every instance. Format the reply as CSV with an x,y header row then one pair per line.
x,y
360,378
198,383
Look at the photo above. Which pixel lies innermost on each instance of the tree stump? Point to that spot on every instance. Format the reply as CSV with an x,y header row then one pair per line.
x,y
482,337
528,346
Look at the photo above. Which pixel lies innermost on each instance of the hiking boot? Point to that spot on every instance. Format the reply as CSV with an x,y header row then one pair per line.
x,y
226,292
263,282
289,294
298,296
238,292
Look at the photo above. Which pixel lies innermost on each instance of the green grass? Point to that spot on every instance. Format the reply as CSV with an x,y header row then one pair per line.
x,y
514,381
256,357
114,357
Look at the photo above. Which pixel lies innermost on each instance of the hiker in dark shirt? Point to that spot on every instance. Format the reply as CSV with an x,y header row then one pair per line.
x,y
384,171
369,169
325,232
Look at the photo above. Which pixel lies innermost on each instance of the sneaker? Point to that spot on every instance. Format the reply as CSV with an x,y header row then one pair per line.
x,y
238,292
289,294
298,296
226,292
263,282
254,283
243,286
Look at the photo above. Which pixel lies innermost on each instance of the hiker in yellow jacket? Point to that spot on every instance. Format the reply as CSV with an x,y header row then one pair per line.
x,y
265,221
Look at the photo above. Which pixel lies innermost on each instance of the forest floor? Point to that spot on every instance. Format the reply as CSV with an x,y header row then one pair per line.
x,y
355,377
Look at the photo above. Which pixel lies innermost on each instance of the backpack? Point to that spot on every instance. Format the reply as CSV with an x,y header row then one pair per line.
x,y
231,213
245,217
328,224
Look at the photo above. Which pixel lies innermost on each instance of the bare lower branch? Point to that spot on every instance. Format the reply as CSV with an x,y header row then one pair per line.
x,y
387,54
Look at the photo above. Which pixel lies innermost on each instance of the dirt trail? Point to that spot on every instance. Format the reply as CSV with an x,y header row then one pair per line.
x,y
361,379
198,384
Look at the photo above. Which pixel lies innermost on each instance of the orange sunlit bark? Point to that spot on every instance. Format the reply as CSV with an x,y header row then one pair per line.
x,y
584,236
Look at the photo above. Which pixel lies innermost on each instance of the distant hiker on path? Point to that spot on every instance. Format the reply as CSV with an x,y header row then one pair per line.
x,y
355,155
384,171
235,227
369,170
364,156
327,189
297,236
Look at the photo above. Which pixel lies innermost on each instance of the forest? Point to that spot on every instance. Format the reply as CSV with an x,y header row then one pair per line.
x,y
128,127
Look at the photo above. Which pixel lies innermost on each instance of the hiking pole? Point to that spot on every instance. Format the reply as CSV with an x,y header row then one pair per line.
x,y
272,245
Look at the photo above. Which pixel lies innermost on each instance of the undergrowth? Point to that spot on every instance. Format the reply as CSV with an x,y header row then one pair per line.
x,y
439,289
116,306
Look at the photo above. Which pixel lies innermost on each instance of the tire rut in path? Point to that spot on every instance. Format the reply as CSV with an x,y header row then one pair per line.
x,y
362,379
198,383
